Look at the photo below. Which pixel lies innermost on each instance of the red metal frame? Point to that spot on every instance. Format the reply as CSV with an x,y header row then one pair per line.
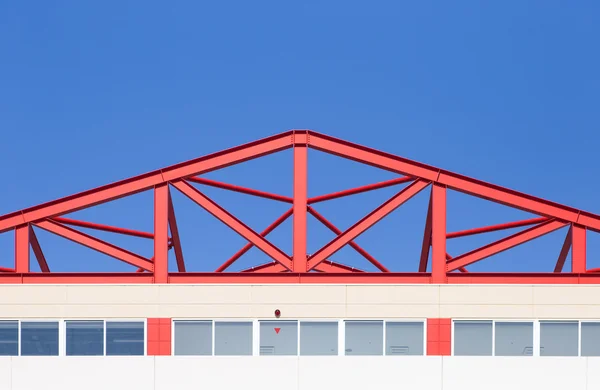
x,y
299,266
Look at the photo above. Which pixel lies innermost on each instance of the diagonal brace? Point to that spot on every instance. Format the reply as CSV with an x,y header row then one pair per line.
x,y
504,244
96,244
234,223
354,245
365,223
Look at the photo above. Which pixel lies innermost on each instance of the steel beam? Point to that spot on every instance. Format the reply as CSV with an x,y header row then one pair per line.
x,y
299,258
242,190
359,190
234,223
365,223
37,250
504,244
426,245
352,244
95,244
562,257
175,236
494,228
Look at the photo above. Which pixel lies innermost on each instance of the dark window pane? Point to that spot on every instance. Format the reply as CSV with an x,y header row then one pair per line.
x,y
559,338
404,338
278,338
473,338
85,338
233,338
318,338
39,338
193,338
514,339
124,338
364,338
9,338
590,339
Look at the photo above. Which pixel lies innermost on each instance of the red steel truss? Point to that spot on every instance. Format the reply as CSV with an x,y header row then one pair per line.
x,y
299,267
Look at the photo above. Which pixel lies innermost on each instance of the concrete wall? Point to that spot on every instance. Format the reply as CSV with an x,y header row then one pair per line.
x,y
299,373
300,301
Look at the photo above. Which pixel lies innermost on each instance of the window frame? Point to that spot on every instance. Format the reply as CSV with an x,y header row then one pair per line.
x,y
212,323
342,333
63,331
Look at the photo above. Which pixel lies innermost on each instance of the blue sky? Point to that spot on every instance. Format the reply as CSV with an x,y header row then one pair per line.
x,y
506,92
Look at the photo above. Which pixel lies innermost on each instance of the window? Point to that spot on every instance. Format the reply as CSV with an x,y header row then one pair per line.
x,y
278,337
9,338
193,338
39,338
404,338
364,337
125,338
559,338
233,338
590,339
513,339
85,338
473,338
318,338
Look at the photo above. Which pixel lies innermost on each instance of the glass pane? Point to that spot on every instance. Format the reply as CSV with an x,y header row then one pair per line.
x,y
590,339
404,338
318,338
85,338
278,338
193,338
514,339
364,337
473,338
9,338
559,338
39,338
233,338
124,338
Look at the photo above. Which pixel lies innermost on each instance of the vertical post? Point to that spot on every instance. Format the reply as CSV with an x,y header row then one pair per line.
x,y
161,233
22,249
438,234
299,263
578,249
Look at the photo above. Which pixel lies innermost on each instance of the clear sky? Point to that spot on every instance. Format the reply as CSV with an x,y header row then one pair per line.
x,y
505,91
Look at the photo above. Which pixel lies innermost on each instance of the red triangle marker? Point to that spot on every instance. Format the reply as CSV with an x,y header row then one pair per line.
x,y
277,330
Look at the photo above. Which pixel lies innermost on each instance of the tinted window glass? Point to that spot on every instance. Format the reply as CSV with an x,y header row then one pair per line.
x,y
39,338
233,338
85,338
124,338
193,338
278,338
318,338
404,338
559,338
364,337
514,339
9,338
473,338
590,339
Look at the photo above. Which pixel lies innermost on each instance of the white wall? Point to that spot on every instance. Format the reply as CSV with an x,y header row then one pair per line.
x,y
299,373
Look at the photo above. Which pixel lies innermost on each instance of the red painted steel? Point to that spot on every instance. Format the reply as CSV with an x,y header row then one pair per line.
x,y
95,244
504,244
299,256
242,190
439,266
106,228
234,223
503,226
249,246
175,236
359,190
37,250
297,266
426,246
365,223
354,245
562,257
161,233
